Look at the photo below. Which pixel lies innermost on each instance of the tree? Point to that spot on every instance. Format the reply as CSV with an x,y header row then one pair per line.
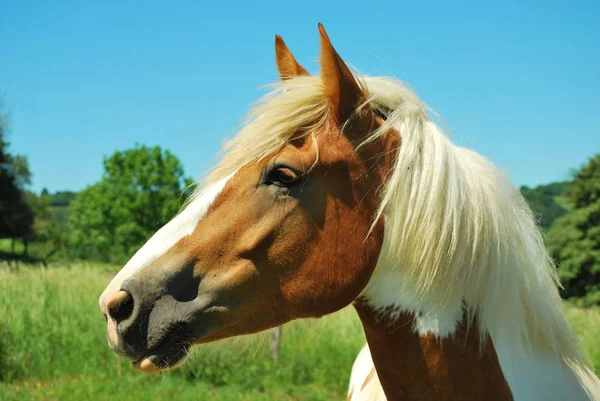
x,y
16,217
574,240
140,190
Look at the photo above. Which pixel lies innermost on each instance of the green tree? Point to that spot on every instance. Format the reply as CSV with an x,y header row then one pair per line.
x,y
575,238
141,189
16,217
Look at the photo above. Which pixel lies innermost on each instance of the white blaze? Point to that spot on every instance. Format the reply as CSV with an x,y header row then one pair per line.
x,y
179,227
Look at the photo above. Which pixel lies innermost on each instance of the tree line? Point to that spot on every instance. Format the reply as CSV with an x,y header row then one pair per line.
x,y
144,187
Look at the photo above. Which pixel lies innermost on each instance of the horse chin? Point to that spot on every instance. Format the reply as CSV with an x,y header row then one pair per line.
x,y
170,354
155,363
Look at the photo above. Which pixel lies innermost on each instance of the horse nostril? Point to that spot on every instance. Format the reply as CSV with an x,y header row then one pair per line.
x,y
120,306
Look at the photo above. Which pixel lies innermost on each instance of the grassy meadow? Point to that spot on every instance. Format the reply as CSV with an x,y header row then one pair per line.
x,y
53,347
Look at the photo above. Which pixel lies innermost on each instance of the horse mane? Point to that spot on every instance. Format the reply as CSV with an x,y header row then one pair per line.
x,y
455,227
460,233
291,109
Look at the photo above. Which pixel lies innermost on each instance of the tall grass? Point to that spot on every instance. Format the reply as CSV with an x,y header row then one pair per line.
x,y
53,347
586,323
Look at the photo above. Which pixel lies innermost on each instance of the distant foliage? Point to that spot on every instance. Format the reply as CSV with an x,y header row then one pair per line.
x,y
46,229
42,216
543,202
141,190
61,198
575,238
59,203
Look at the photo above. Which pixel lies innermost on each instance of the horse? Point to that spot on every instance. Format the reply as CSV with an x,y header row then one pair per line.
x,y
342,189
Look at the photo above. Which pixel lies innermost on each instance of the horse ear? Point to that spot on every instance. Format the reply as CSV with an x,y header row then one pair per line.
x,y
286,62
341,87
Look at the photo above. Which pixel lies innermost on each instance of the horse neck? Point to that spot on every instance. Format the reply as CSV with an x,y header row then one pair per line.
x,y
420,352
418,367
424,352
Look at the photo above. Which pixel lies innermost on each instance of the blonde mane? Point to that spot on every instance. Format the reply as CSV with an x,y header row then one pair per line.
x,y
455,226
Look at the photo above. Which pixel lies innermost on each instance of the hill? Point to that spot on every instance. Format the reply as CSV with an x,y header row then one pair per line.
x,y
547,202
59,206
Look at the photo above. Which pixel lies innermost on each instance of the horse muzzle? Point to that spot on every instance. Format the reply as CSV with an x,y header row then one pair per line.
x,y
152,327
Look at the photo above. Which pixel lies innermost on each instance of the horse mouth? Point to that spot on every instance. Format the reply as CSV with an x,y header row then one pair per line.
x,y
170,352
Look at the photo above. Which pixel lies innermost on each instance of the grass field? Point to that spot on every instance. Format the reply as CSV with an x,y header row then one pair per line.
x,y
53,347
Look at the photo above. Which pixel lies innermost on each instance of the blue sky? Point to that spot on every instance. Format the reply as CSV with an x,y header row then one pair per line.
x,y
517,81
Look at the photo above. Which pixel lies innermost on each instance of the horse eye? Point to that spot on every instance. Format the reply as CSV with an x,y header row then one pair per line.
x,y
282,176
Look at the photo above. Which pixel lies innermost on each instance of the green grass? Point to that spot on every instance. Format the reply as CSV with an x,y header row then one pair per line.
x,y
53,347
586,323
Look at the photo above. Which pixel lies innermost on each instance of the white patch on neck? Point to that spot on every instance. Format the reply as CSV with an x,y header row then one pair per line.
x,y
389,289
179,227
440,324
